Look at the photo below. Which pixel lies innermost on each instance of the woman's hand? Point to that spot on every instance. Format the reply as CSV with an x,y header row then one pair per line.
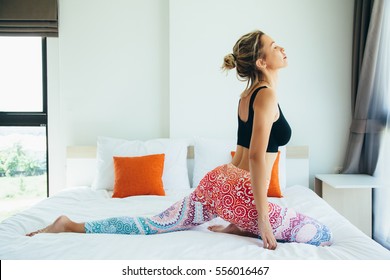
x,y
269,240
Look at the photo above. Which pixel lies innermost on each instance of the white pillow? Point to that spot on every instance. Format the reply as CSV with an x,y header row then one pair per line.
x,y
175,174
210,153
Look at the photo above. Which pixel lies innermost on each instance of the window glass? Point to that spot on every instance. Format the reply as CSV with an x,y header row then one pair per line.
x,y
23,172
21,74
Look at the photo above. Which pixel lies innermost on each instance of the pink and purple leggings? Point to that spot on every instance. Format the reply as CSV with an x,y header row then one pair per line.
x,y
224,192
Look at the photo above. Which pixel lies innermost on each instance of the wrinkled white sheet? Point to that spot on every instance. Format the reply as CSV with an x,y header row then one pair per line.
x,y
83,203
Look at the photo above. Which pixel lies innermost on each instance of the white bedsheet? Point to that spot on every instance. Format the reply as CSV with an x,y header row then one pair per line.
x,y
83,203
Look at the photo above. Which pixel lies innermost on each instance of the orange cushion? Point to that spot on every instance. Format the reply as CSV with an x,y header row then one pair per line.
x,y
138,175
274,185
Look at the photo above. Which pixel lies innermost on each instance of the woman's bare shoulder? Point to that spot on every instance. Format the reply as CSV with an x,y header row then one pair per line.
x,y
266,98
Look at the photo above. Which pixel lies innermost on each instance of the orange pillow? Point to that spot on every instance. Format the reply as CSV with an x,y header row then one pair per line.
x,y
274,185
138,175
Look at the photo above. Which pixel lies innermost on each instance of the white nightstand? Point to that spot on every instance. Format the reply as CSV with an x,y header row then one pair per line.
x,y
350,195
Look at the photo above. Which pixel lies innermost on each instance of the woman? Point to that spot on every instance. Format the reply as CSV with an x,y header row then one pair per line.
x,y
236,192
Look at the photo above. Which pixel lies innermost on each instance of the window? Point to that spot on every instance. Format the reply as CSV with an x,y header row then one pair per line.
x,y
23,123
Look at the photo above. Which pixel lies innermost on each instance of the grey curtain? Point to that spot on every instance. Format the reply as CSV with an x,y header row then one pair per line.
x,y
369,109
29,18
362,16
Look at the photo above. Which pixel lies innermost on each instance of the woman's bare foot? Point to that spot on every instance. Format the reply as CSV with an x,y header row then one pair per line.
x,y
61,224
231,229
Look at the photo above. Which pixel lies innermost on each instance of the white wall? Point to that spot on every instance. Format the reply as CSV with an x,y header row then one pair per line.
x,y
151,68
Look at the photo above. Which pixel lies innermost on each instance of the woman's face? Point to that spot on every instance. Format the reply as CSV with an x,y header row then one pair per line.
x,y
275,57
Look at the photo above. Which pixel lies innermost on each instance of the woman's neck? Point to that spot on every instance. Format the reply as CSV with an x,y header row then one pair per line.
x,y
270,79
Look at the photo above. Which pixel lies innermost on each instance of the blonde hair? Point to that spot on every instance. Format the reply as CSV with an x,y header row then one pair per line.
x,y
247,50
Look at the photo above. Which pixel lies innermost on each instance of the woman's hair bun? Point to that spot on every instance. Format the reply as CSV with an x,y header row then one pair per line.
x,y
229,62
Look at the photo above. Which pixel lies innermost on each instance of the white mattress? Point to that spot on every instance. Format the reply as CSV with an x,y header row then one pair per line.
x,y
83,203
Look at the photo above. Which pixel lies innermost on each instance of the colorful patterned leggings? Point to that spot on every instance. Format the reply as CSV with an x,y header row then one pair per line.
x,y
225,192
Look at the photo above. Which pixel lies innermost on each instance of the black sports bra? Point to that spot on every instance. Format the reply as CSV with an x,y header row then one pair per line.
x,y
280,131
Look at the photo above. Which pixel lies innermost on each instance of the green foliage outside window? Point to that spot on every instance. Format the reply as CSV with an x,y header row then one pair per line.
x,y
15,161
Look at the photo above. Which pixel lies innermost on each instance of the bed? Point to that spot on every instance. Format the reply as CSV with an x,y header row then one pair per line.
x,y
83,199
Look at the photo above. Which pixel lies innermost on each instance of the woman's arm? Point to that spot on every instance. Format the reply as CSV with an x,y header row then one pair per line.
x,y
265,108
